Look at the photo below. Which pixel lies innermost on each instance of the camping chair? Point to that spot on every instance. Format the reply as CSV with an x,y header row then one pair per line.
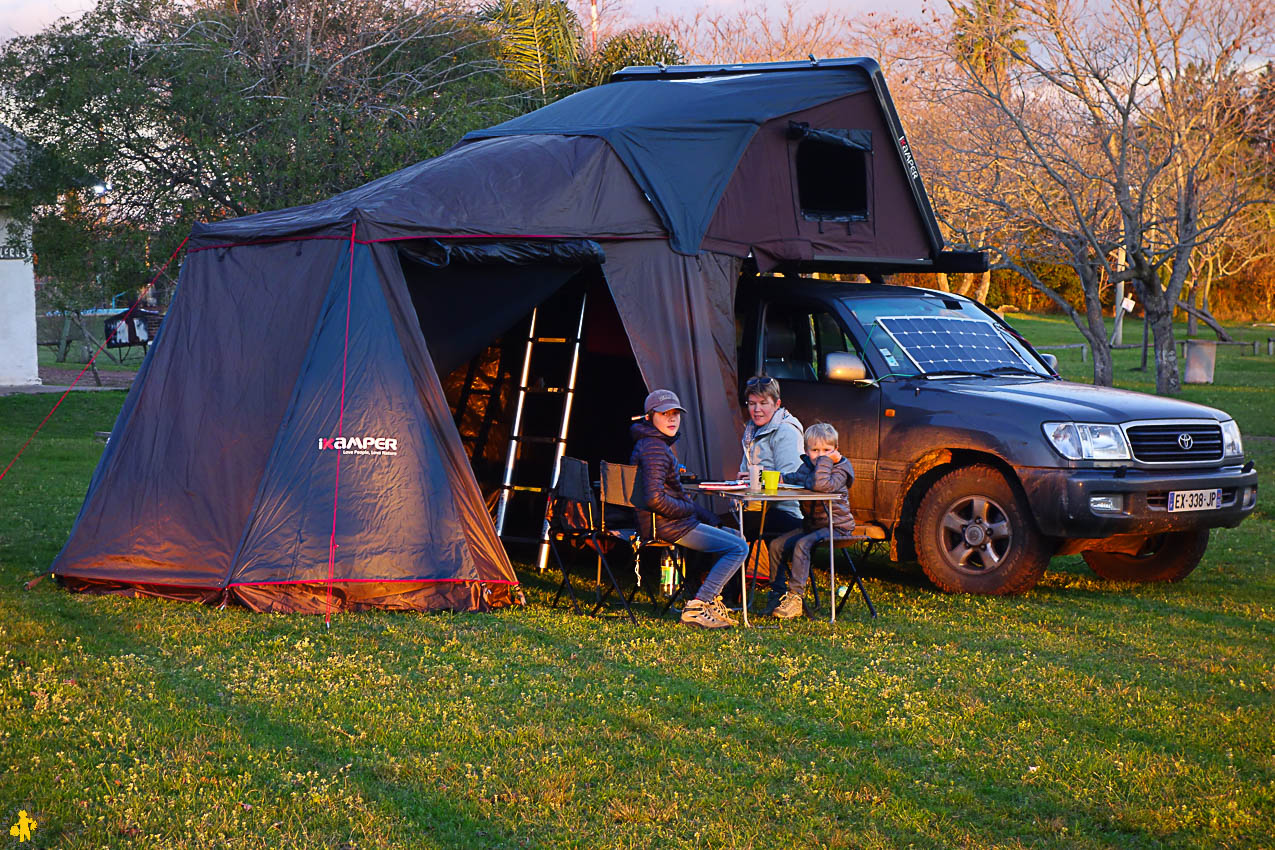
x,y
618,483
575,517
867,533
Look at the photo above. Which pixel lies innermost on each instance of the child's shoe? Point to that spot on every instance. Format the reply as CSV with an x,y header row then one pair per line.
x,y
702,614
789,607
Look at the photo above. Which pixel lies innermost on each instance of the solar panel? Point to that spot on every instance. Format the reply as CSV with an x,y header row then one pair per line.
x,y
936,343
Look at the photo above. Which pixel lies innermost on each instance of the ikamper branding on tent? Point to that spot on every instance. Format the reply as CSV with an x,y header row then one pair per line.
x,y
360,445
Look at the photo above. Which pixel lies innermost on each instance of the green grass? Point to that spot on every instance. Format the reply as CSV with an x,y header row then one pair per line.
x,y
1083,714
77,356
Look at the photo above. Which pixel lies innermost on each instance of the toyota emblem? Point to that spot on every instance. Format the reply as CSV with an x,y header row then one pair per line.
x,y
1186,441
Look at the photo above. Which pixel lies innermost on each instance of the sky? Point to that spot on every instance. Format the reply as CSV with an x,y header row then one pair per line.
x,y
22,17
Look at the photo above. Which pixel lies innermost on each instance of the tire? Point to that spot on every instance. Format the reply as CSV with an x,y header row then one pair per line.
x,y
1164,557
975,534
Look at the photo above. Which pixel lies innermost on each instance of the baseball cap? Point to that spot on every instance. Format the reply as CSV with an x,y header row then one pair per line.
x,y
662,401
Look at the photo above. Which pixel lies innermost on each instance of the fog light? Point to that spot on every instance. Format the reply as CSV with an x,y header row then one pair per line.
x,y
1108,503
1250,497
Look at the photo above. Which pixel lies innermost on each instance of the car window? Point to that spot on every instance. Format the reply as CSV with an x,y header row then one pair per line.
x,y
797,341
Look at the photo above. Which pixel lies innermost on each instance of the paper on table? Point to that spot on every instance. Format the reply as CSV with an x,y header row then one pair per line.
x,y
723,485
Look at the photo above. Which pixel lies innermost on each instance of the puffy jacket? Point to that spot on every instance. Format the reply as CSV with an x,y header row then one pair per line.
x,y
776,445
660,489
824,476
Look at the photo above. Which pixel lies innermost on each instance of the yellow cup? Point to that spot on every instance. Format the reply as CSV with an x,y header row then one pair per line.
x,y
770,480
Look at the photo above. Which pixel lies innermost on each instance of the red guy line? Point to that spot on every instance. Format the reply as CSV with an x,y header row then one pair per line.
x,y
141,294
340,422
148,583
279,240
378,581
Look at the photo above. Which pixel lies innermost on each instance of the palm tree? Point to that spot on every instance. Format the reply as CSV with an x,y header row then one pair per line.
x,y
539,42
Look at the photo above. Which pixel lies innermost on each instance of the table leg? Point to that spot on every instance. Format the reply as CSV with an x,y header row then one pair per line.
x,y
832,568
743,568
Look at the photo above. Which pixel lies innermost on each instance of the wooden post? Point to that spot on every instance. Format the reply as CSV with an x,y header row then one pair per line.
x,y
94,343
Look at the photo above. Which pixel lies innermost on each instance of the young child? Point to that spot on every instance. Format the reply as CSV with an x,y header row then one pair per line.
x,y
823,469
674,517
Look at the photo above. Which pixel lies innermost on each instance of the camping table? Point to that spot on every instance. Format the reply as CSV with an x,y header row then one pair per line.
x,y
783,494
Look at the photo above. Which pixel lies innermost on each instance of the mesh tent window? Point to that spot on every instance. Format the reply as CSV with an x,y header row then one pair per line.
x,y
833,171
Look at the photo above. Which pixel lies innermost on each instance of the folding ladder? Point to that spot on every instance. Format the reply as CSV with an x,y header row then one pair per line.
x,y
518,438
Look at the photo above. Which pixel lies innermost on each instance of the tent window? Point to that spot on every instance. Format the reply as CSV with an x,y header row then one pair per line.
x,y
832,181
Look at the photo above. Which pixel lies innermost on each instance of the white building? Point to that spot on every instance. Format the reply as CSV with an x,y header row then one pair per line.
x,y
17,287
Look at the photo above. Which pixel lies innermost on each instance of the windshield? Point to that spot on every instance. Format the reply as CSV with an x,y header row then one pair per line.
x,y
924,335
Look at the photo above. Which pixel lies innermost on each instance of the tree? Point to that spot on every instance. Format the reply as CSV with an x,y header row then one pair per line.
x,y
541,46
1120,126
632,47
198,111
539,43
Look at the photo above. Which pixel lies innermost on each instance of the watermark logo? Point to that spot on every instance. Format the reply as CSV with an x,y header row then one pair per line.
x,y
23,828
384,446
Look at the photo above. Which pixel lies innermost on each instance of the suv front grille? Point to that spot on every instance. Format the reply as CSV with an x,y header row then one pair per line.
x,y
1164,443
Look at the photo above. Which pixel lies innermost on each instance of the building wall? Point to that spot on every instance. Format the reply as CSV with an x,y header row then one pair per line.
x,y
17,315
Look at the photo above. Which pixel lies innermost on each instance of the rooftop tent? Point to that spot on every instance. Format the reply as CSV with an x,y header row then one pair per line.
x,y
288,444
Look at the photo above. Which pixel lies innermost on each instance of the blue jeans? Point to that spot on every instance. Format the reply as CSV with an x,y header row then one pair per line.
x,y
730,549
794,545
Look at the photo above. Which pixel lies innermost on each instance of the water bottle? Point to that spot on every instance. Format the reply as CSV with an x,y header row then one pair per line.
x,y
667,574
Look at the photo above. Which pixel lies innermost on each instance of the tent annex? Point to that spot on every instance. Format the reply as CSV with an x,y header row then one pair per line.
x,y
289,443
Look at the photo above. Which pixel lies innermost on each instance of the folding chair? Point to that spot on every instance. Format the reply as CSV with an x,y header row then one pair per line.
x,y
618,483
867,533
575,517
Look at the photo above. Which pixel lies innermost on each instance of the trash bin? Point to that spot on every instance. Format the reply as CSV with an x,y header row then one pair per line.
x,y
1201,357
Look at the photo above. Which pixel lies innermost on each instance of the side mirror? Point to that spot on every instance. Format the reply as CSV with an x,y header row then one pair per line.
x,y
1051,361
844,367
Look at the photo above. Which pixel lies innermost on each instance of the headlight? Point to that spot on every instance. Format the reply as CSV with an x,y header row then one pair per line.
x,y
1087,441
1232,445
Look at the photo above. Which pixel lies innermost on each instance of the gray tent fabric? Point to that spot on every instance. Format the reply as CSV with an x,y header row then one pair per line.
x,y
201,402
682,138
681,326
549,187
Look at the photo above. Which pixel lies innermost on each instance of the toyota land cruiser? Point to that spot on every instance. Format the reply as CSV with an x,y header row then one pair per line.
x,y
977,459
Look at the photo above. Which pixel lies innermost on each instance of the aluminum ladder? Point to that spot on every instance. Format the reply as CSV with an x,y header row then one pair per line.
x,y
518,438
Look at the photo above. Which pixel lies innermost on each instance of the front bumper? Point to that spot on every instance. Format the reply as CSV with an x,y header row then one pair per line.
x,y
1059,500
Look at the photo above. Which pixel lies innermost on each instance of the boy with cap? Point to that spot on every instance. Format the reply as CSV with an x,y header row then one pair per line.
x,y
674,517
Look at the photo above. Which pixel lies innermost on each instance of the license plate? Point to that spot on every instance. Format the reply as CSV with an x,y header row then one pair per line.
x,y
1195,500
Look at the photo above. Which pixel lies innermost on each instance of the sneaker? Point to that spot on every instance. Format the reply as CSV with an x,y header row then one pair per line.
x,y
702,614
789,607
772,602
719,608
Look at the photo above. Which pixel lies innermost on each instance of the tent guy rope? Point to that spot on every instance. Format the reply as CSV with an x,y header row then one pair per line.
x,y
137,301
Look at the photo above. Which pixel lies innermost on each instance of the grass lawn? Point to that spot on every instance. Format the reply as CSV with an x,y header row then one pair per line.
x,y
1083,714
76,358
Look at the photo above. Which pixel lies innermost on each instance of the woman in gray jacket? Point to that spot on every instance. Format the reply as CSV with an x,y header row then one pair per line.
x,y
773,440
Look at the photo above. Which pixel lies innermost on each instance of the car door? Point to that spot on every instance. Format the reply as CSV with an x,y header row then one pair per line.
x,y
796,339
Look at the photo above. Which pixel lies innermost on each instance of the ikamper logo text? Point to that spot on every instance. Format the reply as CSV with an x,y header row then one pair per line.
x,y
360,445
